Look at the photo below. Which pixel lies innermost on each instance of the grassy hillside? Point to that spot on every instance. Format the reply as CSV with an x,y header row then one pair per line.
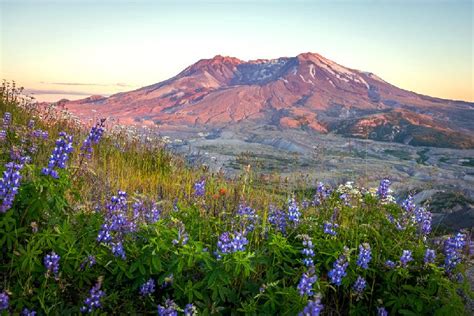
x,y
112,223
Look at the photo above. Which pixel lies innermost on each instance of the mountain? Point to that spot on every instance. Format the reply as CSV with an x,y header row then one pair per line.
x,y
307,92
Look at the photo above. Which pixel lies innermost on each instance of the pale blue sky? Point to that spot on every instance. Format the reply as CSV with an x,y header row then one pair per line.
x,y
424,46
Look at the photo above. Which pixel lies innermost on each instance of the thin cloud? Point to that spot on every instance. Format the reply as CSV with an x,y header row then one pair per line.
x,y
119,84
50,91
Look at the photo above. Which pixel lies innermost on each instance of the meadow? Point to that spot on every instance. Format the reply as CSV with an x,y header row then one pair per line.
x,y
102,220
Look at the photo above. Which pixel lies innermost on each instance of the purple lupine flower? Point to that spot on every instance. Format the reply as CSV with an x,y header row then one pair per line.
x,y
7,118
408,205
390,264
305,204
45,135
31,124
277,218
313,308
383,189
4,301
360,284
118,251
248,217
406,257
60,155
92,138
200,188
228,243
9,185
308,251
104,234
453,251
190,310
88,262
27,312
330,228
183,236
339,270
345,198
381,311
365,255
148,287
293,212
93,301
153,214
51,263
3,134
423,218
170,309
305,286
430,256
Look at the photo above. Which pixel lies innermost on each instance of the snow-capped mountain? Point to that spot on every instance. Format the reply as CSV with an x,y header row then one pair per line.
x,y
306,92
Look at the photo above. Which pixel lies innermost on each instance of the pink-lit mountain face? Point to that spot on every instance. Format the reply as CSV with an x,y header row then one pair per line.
x,y
306,92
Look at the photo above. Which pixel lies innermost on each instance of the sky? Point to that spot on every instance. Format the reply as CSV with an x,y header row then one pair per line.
x,y
75,49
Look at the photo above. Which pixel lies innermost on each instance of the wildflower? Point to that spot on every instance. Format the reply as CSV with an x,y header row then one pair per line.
x,y
27,312
229,244
360,284
248,216
308,251
383,190
4,301
7,118
93,137
406,257
381,311
200,188
190,310
182,235
365,255
60,155
293,211
153,214
168,281
104,234
390,264
9,185
330,228
408,204
51,262
3,134
305,286
313,308
423,218
430,256
170,309
277,219
93,301
117,250
148,287
89,262
339,270
452,251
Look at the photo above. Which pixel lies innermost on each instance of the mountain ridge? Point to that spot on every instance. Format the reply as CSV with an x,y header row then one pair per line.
x,y
307,92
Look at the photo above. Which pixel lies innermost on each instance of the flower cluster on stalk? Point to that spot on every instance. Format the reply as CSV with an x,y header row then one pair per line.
x,y
148,287
313,308
190,310
453,251
51,263
413,215
430,256
321,194
330,228
59,156
278,219
248,217
92,302
406,257
9,185
169,309
230,243
293,212
183,236
92,138
4,301
27,312
384,189
88,262
200,188
360,284
305,286
338,272
365,256
308,251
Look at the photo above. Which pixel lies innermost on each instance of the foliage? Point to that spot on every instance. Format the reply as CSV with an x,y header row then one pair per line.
x,y
182,236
